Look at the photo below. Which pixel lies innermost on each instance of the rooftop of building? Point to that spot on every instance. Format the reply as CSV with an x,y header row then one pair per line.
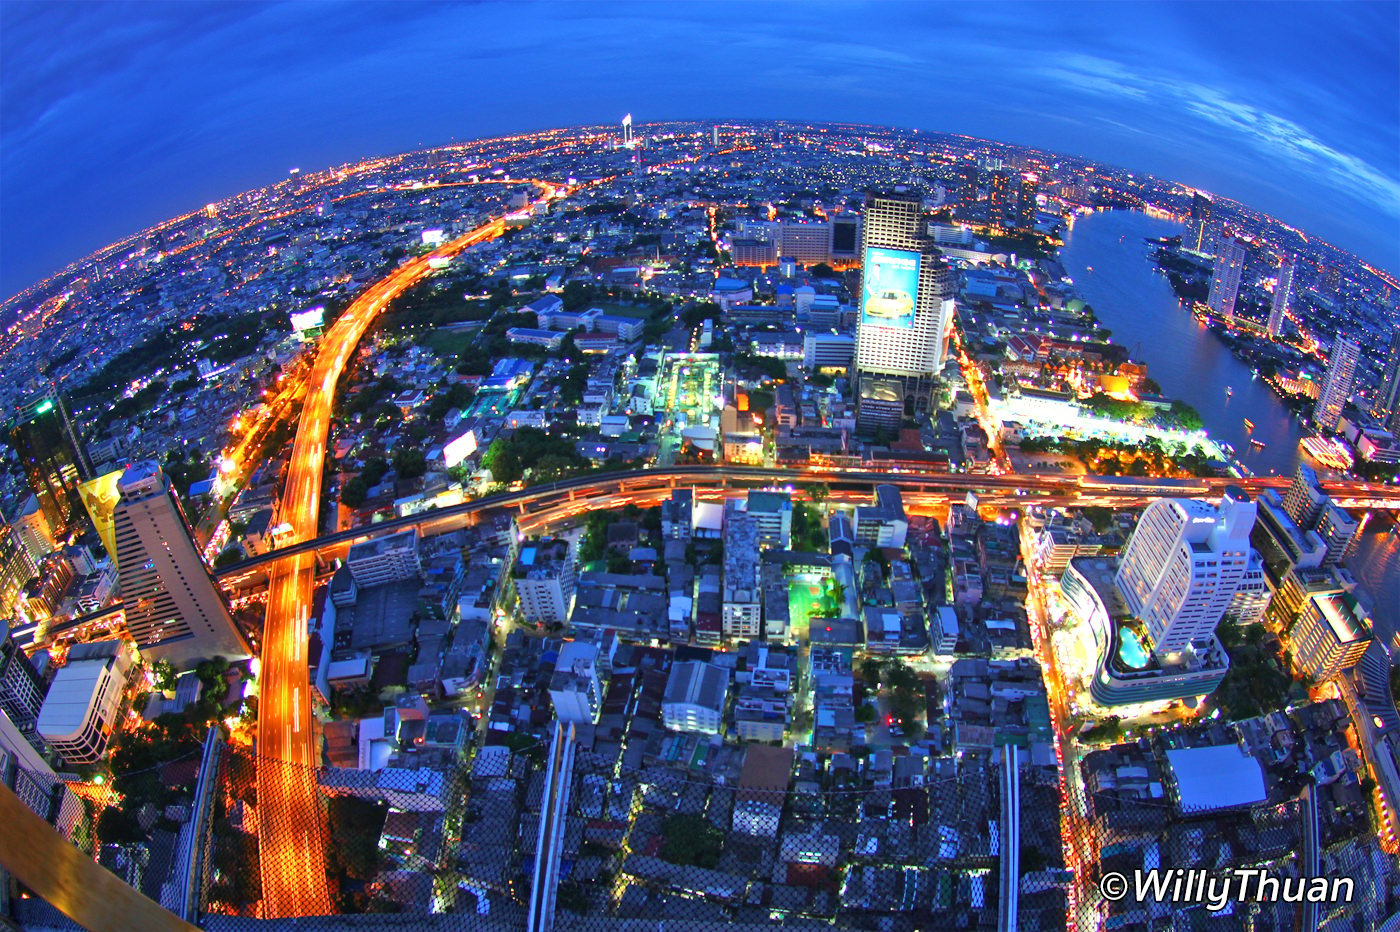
x,y
1344,616
403,540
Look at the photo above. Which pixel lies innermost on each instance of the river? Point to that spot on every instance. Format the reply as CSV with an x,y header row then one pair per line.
x,y
1193,365
1186,359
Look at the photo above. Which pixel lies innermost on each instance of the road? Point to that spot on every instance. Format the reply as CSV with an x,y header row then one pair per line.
x,y
291,842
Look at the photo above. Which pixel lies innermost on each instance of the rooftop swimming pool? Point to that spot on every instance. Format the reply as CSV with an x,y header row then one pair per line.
x,y
1130,649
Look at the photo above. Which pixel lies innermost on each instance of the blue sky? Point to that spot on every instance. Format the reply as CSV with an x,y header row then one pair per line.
x,y
115,116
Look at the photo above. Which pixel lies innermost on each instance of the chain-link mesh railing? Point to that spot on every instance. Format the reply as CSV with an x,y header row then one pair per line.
x,y
139,823
857,841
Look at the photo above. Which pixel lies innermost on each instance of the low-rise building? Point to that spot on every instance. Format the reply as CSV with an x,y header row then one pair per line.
x,y
695,697
882,523
385,559
84,701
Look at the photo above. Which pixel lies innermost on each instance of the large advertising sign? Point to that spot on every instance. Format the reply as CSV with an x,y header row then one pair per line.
x,y
891,287
308,319
100,498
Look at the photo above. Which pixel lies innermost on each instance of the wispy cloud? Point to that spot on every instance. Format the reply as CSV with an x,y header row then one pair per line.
x,y
1272,136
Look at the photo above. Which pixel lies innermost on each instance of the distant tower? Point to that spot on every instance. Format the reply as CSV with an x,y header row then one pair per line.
x,y
906,309
1225,283
1283,291
1002,199
715,131
1336,387
1025,202
1198,230
627,141
1182,566
1387,406
54,461
174,611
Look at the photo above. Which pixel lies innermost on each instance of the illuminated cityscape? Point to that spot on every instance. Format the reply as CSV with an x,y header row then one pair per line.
x,y
703,525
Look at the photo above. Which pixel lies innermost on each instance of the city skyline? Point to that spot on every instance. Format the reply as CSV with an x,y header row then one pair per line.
x,y
190,107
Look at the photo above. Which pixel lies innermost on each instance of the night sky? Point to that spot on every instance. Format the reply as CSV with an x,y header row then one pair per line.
x,y
114,116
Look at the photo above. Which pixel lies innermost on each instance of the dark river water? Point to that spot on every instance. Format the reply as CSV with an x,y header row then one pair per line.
x,y
1192,364
1186,359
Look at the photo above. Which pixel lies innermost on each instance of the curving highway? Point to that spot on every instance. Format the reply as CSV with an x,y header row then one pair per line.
x,y
291,846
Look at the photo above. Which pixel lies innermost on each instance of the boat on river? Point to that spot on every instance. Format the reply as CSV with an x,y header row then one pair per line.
x,y
1248,424
1257,444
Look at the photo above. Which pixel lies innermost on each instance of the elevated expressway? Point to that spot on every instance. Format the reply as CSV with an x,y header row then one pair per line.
x,y
539,506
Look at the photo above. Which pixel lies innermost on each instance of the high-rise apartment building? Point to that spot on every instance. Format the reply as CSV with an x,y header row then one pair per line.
x,y
1304,500
22,689
1387,405
1225,281
17,567
174,609
54,461
906,310
742,608
1198,237
1329,636
1283,293
576,686
1025,202
1336,387
1001,199
545,580
1182,566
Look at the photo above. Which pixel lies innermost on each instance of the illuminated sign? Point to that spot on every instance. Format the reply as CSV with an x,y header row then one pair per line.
x,y
454,451
308,319
44,406
890,288
434,237
100,499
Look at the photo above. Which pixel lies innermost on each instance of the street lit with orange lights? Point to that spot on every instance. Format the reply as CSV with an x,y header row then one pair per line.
x,y
293,854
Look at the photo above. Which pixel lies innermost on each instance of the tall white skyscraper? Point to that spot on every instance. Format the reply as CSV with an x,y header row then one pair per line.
x,y
906,310
1225,283
1336,387
174,610
627,141
1182,567
1283,293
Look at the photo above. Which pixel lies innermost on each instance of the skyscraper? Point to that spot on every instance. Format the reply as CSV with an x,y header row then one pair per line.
x,y
1225,282
1283,292
1025,202
1336,387
627,140
906,309
1197,237
1387,405
174,611
54,460
17,567
1182,566
21,689
1001,199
